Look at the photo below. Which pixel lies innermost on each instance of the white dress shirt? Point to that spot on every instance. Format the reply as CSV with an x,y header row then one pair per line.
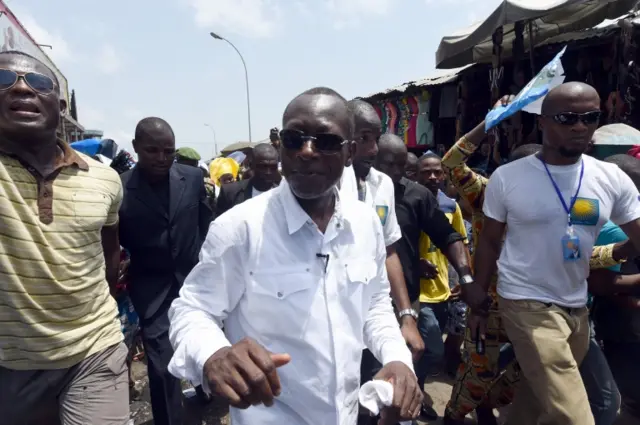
x,y
260,276
348,184
255,192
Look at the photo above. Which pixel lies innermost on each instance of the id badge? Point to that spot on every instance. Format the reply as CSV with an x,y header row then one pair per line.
x,y
570,247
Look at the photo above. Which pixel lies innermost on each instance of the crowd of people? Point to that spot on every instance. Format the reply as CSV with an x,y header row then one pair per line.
x,y
330,261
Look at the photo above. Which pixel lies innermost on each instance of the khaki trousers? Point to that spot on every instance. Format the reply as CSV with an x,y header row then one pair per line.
x,y
550,342
93,392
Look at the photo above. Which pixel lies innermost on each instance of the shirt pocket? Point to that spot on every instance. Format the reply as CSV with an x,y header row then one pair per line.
x,y
358,288
281,302
90,208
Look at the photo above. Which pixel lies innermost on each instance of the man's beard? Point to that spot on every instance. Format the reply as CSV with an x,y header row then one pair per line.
x,y
570,153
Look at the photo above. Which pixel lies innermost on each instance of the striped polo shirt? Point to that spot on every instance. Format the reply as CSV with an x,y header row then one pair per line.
x,y
55,305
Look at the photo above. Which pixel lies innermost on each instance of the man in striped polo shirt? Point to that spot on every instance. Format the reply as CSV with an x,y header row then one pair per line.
x,y
60,338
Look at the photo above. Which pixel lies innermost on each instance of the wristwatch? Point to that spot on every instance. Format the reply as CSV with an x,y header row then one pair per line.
x,y
466,279
408,312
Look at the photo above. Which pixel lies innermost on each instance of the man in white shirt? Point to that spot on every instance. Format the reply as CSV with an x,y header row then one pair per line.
x,y
297,270
552,206
376,190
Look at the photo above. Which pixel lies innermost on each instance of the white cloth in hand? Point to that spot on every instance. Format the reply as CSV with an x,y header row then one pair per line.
x,y
376,394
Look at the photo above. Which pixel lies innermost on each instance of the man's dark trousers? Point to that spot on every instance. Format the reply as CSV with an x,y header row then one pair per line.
x,y
165,389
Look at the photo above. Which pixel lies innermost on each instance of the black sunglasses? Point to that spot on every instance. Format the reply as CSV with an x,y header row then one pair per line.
x,y
572,118
38,82
324,142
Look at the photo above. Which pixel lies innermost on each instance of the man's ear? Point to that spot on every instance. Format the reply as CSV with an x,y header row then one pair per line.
x,y
541,122
135,145
351,151
63,106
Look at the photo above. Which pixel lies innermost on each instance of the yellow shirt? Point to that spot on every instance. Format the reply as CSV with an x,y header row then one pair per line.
x,y
55,306
437,290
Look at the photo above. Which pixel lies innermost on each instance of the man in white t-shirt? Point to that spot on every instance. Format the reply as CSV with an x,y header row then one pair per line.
x,y
552,206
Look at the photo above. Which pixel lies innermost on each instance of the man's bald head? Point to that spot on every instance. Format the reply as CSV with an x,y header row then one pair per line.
x,y
411,169
392,156
412,158
265,151
392,143
152,125
264,164
558,99
367,130
365,116
570,116
326,101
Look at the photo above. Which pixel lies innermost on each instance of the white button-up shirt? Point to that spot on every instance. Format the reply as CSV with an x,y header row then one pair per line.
x,y
259,274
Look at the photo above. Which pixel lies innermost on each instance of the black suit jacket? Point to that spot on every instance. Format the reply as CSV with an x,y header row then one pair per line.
x,y
164,245
232,194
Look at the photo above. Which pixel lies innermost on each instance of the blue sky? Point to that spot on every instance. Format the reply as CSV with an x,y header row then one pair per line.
x,y
137,58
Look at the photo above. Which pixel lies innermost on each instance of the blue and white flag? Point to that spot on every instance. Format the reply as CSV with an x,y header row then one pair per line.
x,y
530,97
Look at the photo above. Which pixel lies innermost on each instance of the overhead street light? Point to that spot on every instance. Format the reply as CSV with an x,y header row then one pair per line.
x,y
215,141
246,77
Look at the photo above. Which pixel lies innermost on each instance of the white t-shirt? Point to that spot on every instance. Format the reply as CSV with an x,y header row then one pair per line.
x,y
380,195
520,194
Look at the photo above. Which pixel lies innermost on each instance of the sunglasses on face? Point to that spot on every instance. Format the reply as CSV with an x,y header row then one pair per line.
x,y
572,118
38,82
324,142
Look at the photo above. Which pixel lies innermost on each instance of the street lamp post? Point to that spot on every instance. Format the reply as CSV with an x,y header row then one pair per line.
x,y
246,77
215,141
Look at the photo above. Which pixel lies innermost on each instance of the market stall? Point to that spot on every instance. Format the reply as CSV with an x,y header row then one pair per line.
x,y
543,19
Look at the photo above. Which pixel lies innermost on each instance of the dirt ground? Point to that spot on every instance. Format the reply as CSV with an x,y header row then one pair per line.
x,y
214,414
439,390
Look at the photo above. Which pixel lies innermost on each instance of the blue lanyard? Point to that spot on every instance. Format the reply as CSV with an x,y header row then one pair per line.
x,y
567,209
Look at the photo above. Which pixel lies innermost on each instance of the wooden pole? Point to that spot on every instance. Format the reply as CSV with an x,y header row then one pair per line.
x,y
531,53
533,71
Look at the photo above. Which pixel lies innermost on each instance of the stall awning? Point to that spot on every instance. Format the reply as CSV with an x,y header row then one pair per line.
x,y
238,146
549,17
437,79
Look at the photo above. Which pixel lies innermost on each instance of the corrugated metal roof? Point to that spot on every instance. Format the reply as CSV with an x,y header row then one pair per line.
x,y
604,29
438,78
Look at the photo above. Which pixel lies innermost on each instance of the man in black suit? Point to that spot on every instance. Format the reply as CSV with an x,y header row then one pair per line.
x,y
164,219
265,176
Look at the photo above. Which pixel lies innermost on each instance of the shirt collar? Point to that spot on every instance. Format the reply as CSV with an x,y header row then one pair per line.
x,y
69,156
294,215
374,177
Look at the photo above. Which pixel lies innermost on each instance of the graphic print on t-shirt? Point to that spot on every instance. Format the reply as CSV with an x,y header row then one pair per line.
x,y
383,212
585,212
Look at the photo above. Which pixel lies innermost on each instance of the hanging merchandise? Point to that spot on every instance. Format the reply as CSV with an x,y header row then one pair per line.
x,y
408,118
461,108
497,71
530,97
631,72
